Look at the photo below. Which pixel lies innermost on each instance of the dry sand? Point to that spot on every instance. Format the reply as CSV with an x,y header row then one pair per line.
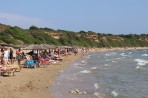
x,y
33,83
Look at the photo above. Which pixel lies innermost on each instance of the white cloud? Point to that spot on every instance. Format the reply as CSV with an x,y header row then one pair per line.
x,y
19,20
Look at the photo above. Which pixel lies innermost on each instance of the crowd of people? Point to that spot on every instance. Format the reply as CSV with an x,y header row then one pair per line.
x,y
33,57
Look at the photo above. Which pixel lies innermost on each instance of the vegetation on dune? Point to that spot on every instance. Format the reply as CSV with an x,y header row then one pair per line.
x,y
34,35
43,37
70,38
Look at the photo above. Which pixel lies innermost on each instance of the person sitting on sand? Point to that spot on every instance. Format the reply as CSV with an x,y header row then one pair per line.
x,y
50,59
57,51
5,67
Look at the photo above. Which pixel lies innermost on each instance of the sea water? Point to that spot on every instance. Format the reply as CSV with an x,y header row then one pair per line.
x,y
115,74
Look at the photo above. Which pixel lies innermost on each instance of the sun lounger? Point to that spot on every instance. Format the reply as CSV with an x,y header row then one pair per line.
x,y
7,69
43,62
30,64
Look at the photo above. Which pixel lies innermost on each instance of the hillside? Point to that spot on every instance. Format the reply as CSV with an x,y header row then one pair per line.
x,y
34,35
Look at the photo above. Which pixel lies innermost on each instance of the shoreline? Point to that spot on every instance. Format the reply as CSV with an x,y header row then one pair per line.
x,y
35,83
71,84
116,49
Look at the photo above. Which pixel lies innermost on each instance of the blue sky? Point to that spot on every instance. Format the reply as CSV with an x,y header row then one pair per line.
x,y
101,16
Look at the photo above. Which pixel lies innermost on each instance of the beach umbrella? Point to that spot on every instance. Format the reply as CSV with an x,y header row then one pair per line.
x,y
18,46
48,46
67,46
34,47
2,47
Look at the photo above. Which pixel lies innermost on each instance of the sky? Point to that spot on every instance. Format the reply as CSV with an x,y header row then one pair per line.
x,y
100,16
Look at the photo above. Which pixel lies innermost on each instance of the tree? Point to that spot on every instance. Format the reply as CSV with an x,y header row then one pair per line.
x,y
33,28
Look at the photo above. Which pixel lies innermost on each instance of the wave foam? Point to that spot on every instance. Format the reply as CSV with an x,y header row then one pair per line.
x,y
118,58
138,67
114,62
109,54
130,53
144,54
78,64
78,67
96,85
106,65
94,68
97,94
141,62
83,61
85,71
123,54
114,93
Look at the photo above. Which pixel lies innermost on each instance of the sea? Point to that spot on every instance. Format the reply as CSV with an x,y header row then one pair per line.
x,y
112,74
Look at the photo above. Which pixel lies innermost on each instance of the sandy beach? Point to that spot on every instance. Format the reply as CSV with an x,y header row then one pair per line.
x,y
34,83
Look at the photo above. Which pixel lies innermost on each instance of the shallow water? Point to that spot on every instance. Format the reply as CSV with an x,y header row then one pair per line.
x,y
116,74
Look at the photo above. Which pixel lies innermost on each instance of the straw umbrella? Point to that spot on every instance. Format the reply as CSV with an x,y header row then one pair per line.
x,y
1,47
48,46
34,47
